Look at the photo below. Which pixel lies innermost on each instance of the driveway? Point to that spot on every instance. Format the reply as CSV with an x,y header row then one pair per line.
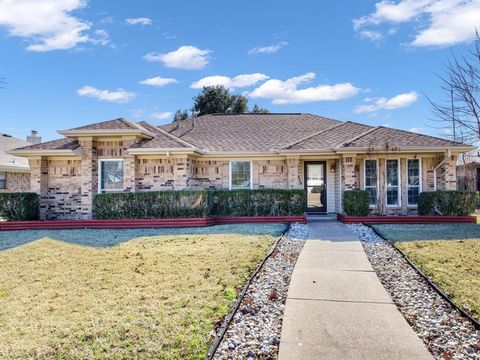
x,y
337,308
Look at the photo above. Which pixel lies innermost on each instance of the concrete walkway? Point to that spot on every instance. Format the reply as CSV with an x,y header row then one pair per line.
x,y
337,308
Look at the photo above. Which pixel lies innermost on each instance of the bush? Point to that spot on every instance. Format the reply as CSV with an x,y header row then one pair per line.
x,y
148,205
355,203
19,206
426,203
198,203
261,202
447,203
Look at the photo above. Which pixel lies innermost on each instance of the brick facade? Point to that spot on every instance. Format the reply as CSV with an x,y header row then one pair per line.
x,y
16,182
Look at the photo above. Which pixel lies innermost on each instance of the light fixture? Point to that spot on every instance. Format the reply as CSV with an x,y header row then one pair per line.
x,y
333,167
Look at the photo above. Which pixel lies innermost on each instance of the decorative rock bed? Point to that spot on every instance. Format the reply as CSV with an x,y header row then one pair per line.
x,y
446,333
254,332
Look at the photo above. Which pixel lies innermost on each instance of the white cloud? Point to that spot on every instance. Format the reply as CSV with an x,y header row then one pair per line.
x,y
396,102
116,96
270,49
238,81
371,35
287,92
442,22
158,81
418,130
47,24
185,57
138,21
161,115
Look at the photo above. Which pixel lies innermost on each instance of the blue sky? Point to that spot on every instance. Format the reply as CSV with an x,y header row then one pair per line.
x,y
73,62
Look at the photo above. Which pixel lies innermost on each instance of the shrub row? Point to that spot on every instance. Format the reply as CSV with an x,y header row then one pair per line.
x,y
198,203
355,203
448,203
19,206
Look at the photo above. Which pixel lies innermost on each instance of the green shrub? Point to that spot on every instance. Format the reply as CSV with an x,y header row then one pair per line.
x,y
261,202
148,205
355,203
198,203
426,203
19,206
448,203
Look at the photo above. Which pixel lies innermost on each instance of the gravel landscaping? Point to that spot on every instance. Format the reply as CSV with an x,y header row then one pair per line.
x,y
447,334
254,332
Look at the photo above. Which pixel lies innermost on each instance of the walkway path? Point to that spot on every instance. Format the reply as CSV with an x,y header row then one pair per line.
x,y
337,308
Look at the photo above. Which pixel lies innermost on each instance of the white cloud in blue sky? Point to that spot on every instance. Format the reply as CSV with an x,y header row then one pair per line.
x,y
269,49
283,92
396,102
239,81
439,22
185,57
138,21
115,96
158,81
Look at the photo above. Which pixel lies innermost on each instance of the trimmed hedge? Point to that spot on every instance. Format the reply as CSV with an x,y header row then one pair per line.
x,y
447,203
198,203
355,203
261,202
19,206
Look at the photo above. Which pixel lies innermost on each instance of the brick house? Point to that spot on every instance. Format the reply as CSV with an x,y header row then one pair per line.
x,y
243,151
14,170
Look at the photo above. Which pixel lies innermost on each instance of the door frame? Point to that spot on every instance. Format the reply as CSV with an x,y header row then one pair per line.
x,y
325,178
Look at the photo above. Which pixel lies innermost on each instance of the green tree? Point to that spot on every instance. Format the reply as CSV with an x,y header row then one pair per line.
x,y
181,115
259,110
217,99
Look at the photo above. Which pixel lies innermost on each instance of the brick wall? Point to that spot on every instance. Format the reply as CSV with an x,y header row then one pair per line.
x,y
17,182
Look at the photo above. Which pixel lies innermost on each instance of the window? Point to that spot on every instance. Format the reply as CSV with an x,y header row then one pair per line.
x,y
110,175
371,181
393,183
240,175
3,180
413,180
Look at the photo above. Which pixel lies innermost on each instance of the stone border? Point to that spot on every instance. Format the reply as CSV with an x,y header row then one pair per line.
x,y
407,219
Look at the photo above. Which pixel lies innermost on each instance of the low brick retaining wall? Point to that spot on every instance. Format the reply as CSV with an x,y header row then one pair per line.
x,y
408,219
144,223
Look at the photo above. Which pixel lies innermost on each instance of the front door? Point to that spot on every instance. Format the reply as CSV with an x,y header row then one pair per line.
x,y
316,186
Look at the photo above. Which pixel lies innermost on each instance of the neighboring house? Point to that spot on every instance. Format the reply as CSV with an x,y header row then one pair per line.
x,y
14,170
468,171
243,151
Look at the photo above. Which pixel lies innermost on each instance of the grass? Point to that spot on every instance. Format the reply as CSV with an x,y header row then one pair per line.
x,y
449,254
156,296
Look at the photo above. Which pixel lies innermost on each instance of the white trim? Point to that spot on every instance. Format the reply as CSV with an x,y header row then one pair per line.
x,y
399,191
230,173
99,175
419,178
378,179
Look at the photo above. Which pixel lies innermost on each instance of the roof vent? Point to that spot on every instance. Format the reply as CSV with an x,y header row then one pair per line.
x,y
34,138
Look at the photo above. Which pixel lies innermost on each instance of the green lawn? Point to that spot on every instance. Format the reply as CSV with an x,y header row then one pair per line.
x,y
448,253
156,296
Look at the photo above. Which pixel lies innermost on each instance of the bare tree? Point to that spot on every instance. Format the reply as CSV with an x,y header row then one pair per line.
x,y
459,112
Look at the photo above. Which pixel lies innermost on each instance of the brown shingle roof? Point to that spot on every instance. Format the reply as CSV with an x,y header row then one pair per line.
x,y
295,132
248,132
162,139
382,136
60,144
115,124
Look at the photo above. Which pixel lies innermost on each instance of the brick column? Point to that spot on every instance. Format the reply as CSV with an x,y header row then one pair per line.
x,y
89,176
129,181
293,165
181,172
450,173
349,176
39,182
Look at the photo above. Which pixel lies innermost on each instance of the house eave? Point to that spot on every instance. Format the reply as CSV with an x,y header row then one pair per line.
x,y
407,149
162,151
29,153
14,169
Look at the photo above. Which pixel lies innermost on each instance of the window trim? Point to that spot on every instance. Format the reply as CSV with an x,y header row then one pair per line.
x,y
399,191
99,175
419,178
230,173
5,180
365,178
